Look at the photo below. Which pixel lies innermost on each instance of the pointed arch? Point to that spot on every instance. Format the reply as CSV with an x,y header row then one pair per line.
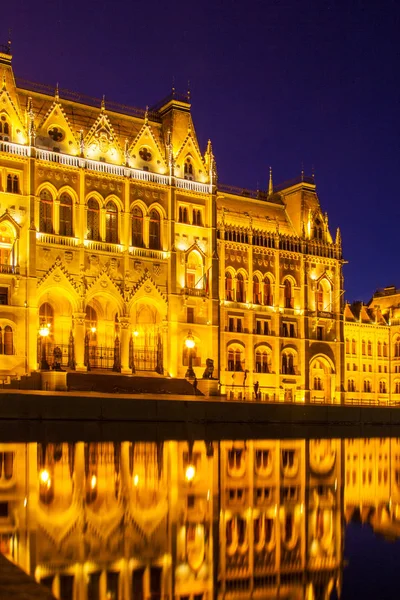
x,y
112,229
46,210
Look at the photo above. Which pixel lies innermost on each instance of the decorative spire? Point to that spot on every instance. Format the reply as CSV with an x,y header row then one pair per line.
x,y
302,172
31,123
4,86
338,240
56,93
188,91
171,159
270,184
173,86
103,102
126,152
146,115
81,143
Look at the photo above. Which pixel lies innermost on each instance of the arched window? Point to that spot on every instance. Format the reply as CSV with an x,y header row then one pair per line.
x,y
93,220
382,387
347,346
194,271
188,170
183,214
154,230
65,215
351,386
363,347
288,294
379,349
137,227
288,363
4,129
91,326
240,291
268,297
353,346
369,348
111,223
384,349
318,230
46,212
318,383
367,386
228,287
256,290
235,362
397,387
196,216
8,340
263,362
320,297
9,184
397,348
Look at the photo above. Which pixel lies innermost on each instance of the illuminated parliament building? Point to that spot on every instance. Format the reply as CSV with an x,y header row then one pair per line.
x,y
120,251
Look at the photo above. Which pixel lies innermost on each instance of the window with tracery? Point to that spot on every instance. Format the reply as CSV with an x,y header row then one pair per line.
x,y
65,215
46,212
197,216
288,294
93,220
137,227
256,290
268,298
12,184
240,288
228,287
288,363
111,223
155,230
4,129
188,171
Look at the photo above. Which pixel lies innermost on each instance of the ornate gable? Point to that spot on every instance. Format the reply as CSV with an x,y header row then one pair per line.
x,y
10,113
103,283
145,151
101,142
59,276
55,131
190,149
145,288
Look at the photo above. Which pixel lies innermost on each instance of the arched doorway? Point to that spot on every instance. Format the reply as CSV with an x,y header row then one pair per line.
x,y
146,351
322,380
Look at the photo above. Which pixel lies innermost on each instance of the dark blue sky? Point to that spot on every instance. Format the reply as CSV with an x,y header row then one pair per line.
x,y
280,83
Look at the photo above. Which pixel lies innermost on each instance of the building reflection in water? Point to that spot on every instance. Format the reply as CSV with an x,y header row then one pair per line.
x,y
192,521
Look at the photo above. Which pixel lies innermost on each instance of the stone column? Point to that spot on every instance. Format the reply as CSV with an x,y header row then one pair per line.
x,y
79,337
124,337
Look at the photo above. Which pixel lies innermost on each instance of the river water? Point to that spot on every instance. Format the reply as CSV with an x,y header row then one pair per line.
x,y
194,520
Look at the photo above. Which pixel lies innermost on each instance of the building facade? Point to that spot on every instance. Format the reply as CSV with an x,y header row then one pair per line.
x,y
118,244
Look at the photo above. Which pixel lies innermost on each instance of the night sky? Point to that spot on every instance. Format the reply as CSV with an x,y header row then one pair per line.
x,y
281,83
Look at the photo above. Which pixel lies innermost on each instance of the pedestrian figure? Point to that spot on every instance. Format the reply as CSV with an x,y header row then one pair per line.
x,y
256,387
195,385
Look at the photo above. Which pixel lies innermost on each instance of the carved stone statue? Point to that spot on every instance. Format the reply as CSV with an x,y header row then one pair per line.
x,y
208,372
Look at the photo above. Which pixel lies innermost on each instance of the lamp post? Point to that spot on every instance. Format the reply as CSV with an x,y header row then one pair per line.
x,y
190,344
44,332
134,336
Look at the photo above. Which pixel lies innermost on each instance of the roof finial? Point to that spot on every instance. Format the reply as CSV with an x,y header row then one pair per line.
x,y
56,93
4,86
270,184
103,102
188,91
31,123
173,86
313,172
146,115
302,171
338,240
81,142
126,152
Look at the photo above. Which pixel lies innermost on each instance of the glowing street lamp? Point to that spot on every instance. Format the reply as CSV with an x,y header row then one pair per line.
x,y
44,332
190,473
190,344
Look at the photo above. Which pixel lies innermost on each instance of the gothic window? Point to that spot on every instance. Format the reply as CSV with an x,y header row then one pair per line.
x,y
4,129
6,340
353,346
363,347
288,294
262,362
369,348
65,215
351,386
384,349
111,223
46,212
288,364
318,384
183,214
379,348
240,292
56,134
256,290
9,184
382,387
188,169
367,386
228,287
318,230
12,184
347,346
196,216
397,387
268,299
93,220
154,230
320,297
397,348
235,362
137,227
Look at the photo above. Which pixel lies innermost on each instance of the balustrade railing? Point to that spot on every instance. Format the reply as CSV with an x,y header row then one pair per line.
x,y
148,176
59,240
103,246
193,186
146,253
57,157
11,148
9,270
198,293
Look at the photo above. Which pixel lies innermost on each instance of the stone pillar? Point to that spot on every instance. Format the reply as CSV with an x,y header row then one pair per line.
x,y
124,336
79,336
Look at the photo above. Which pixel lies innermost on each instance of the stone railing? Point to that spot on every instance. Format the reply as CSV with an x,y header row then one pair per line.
x,y
59,240
147,253
17,149
103,246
